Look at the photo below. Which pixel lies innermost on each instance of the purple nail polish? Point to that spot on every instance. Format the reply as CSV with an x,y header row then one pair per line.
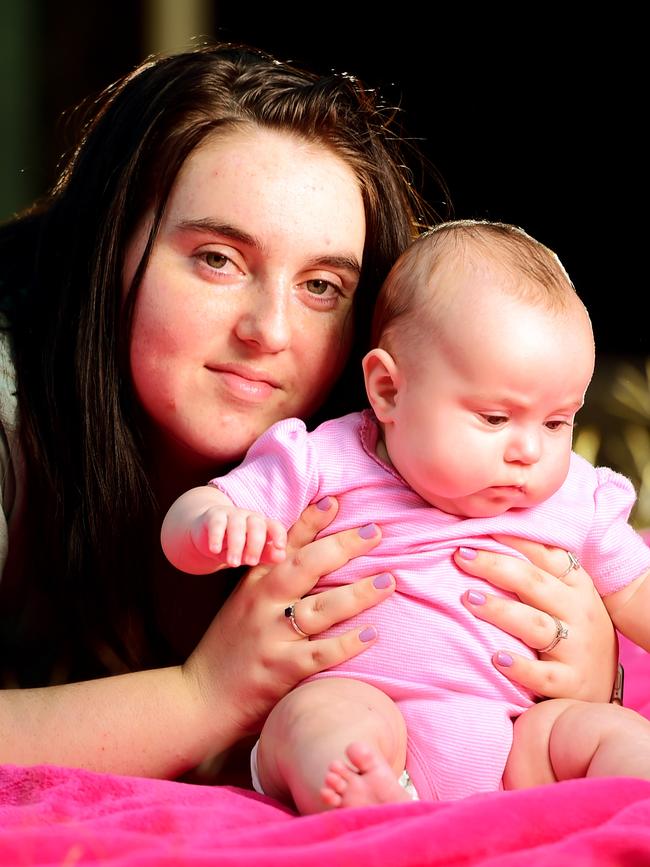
x,y
475,597
368,531
504,659
468,553
324,504
368,634
382,581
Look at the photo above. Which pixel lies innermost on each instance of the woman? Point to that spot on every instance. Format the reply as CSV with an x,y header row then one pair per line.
x,y
195,275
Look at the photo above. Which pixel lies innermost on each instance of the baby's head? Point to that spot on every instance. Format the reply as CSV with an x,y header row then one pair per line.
x,y
483,356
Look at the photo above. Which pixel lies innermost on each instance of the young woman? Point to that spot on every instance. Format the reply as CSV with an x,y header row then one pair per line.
x,y
205,265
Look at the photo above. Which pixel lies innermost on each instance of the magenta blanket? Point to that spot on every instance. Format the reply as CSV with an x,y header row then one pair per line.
x,y
67,817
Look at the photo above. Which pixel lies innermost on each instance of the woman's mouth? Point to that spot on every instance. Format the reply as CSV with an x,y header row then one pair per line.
x,y
248,384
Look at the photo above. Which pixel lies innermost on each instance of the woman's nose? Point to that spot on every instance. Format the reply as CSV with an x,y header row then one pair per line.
x,y
524,447
264,323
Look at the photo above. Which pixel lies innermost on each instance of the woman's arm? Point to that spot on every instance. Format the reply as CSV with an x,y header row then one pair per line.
x,y
161,723
146,724
584,665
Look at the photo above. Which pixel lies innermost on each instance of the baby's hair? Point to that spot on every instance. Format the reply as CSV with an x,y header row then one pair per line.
x,y
535,274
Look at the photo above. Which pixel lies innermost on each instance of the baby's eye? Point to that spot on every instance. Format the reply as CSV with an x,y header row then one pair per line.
x,y
557,423
495,420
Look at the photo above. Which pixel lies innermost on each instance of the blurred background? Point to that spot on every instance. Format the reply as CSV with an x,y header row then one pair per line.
x,y
526,117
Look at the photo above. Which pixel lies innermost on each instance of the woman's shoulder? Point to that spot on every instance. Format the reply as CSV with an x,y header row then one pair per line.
x,y
7,436
8,403
7,374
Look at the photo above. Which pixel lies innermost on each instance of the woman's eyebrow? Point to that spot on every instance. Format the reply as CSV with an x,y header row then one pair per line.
x,y
214,228
346,263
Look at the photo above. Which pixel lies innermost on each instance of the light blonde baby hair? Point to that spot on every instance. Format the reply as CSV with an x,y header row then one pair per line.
x,y
410,295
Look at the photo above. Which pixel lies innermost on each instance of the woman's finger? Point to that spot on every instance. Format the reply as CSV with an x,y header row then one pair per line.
x,y
534,628
322,653
313,520
550,678
316,613
554,561
531,584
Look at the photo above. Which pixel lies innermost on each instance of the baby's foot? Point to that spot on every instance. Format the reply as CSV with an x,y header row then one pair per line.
x,y
373,781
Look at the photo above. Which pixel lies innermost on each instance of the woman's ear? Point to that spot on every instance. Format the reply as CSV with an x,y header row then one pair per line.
x,y
382,379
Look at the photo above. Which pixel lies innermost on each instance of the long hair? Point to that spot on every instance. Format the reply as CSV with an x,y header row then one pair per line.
x,y
92,519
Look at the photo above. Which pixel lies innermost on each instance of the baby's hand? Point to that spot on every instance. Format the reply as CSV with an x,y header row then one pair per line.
x,y
235,536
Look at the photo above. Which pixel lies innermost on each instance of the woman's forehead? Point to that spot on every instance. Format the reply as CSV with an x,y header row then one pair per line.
x,y
271,184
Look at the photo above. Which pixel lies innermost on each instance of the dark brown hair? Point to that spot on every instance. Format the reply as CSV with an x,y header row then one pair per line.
x,y
92,520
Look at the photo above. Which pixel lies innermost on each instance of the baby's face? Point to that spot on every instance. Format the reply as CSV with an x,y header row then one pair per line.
x,y
483,420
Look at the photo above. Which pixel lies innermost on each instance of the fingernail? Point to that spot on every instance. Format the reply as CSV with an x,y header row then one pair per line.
x,y
368,634
468,553
324,504
382,581
475,597
504,659
368,531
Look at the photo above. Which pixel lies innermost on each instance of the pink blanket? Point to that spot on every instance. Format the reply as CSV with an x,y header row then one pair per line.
x,y
59,816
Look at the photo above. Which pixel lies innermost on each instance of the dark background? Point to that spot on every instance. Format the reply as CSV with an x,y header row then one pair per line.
x,y
534,121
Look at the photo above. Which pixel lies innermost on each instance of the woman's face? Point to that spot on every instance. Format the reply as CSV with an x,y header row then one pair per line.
x,y
244,315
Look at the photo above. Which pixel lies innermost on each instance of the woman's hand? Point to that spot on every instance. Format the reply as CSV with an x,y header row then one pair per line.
x,y
583,665
251,656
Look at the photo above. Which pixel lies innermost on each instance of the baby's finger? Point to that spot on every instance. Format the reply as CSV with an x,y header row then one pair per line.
x,y
535,628
548,678
271,554
255,539
275,549
216,523
322,610
302,569
236,538
276,534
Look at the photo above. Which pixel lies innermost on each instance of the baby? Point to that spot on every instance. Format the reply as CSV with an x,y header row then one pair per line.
x,y
483,356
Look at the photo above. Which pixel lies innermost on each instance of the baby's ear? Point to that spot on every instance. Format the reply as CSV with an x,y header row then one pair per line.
x,y
382,379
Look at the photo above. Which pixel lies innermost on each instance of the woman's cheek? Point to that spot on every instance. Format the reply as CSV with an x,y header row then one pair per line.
x,y
325,353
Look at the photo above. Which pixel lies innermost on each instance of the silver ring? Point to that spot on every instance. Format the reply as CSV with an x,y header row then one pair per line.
x,y
290,614
574,563
561,631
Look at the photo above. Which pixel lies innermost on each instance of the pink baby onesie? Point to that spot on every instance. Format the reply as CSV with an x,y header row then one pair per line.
x,y
434,658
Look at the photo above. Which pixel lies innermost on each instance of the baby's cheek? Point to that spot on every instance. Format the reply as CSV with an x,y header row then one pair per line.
x,y
545,485
557,471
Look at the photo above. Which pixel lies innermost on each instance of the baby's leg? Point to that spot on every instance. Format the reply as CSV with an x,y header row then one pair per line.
x,y
563,739
302,748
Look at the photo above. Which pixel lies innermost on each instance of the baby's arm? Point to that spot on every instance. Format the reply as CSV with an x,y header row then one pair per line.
x,y
204,531
629,609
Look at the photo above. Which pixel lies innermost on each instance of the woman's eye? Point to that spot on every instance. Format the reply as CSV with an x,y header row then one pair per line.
x,y
319,287
218,265
216,260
